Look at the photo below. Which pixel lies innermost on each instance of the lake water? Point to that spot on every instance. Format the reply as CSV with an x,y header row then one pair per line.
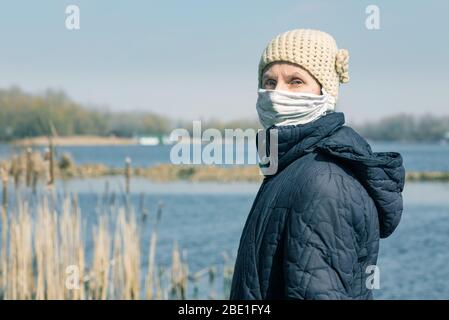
x,y
417,157
207,219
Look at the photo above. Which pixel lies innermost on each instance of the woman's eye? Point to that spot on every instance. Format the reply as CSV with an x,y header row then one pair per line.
x,y
270,83
296,82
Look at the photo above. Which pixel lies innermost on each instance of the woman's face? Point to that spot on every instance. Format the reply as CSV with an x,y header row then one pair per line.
x,y
289,77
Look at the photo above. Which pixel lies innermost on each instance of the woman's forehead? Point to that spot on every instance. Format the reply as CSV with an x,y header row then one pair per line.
x,y
283,68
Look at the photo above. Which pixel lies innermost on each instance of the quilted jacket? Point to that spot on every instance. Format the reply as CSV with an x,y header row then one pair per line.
x,y
315,225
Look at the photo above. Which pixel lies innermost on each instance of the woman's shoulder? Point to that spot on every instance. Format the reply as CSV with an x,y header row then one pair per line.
x,y
315,164
323,174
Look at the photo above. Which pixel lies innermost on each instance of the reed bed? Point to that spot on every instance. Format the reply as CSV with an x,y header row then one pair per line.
x,y
50,250
44,256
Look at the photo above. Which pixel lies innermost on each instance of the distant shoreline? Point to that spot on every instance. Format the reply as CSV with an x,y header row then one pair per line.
x,y
76,141
35,166
206,173
92,140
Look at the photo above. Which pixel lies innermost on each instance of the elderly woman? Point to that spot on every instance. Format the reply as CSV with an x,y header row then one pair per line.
x,y
314,228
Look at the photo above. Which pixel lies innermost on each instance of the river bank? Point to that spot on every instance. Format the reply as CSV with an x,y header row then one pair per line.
x,y
75,141
153,163
206,173
173,173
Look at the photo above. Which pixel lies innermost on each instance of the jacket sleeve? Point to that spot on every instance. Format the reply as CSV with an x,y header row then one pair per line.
x,y
320,241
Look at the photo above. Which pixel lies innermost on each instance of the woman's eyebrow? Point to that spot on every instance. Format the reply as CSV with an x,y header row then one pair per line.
x,y
298,74
267,75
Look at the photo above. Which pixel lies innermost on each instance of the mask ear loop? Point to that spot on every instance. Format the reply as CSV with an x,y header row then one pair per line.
x,y
329,97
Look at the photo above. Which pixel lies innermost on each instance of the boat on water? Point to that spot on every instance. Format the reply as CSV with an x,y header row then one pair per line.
x,y
153,140
445,139
148,141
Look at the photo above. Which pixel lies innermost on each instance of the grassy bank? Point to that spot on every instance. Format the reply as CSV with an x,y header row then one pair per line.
x,y
75,141
31,167
199,173
428,176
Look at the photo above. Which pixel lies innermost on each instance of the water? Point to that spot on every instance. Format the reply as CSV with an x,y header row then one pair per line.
x,y
417,156
414,260
113,156
207,219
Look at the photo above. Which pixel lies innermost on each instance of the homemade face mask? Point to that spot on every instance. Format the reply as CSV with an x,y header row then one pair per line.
x,y
280,108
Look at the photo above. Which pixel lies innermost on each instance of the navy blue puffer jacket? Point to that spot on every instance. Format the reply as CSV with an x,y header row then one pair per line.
x,y
315,225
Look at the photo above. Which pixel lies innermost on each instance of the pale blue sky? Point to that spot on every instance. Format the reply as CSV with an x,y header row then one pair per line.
x,y
191,59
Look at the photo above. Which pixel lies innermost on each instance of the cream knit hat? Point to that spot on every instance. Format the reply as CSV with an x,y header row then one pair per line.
x,y
315,51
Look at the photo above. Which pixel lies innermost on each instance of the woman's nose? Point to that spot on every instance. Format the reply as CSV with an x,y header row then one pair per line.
x,y
281,85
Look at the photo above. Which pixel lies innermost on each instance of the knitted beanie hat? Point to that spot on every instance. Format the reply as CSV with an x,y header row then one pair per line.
x,y
313,50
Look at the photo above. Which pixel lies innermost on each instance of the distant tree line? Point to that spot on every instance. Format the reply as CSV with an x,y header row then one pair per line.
x,y
405,127
24,115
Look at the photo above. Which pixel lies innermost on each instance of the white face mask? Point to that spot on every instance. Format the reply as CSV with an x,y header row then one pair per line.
x,y
280,108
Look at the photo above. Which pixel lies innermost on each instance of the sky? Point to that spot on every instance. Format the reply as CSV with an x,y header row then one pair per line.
x,y
198,59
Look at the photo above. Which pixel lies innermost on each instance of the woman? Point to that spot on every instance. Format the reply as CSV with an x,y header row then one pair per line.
x,y
313,230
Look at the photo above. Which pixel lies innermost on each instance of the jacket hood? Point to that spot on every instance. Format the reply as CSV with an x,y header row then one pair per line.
x,y
381,173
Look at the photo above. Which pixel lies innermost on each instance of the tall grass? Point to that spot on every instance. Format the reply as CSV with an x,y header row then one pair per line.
x,y
43,256
47,253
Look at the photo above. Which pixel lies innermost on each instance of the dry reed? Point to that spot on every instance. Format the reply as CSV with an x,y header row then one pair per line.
x,y
44,255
